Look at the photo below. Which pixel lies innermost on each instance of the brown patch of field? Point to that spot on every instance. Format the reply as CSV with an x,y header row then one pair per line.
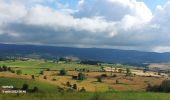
x,y
125,83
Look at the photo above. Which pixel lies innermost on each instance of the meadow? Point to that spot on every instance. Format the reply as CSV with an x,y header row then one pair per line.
x,y
127,87
88,96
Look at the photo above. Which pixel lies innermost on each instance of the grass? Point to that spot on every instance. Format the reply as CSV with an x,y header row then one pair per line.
x,y
35,66
88,96
43,87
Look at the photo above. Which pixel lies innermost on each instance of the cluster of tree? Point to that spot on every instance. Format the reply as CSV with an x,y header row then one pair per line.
x,y
74,86
81,76
4,68
82,70
163,87
101,77
90,62
26,88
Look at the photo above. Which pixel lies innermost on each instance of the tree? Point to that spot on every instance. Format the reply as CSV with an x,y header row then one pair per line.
x,y
45,77
5,68
9,69
1,69
35,89
128,72
68,84
117,81
99,79
63,72
75,86
42,72
33,77
111,68
81,76
25,87
163,87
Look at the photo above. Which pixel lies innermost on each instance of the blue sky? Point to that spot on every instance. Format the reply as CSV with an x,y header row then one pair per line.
x,y
150,3
153,3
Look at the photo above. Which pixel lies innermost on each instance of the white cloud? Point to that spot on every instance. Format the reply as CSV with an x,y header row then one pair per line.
x,y
125,24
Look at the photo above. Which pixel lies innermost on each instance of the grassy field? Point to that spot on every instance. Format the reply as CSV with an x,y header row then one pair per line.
x,y
128,87
88,96
43,87
35,66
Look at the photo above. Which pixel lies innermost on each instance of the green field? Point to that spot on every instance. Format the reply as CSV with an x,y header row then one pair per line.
x,y
88,96
43,87
35,66
49,92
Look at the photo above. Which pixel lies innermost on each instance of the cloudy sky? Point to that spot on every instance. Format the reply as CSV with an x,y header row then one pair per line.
x,y
122,24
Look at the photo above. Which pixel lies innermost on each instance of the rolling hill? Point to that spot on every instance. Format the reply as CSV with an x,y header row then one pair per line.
x,y
96,54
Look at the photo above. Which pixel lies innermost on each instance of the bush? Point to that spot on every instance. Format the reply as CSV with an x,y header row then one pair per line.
x,y
117,81
9,69
114,75
19,72
75,86
12,71
104,75
33,77
48,69
99,79
68,84
81,76
25,87
82,89
5,68
45,77
62,72
42,72
35,89
53,79
163,87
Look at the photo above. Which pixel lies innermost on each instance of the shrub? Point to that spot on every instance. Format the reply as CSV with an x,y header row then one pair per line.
x,y
104,75
5,68
82,89
45,77
35,89
42,72
163,87
54,79
114,75
99,79
117,81
48,69
75,86
62,72
33,77
81,76
19,72
68,84
9,69
25,87
12,71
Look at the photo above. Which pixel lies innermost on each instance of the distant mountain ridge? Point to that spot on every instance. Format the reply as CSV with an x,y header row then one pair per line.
x,y
97,54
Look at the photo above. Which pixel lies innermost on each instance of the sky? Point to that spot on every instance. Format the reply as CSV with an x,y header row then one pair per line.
x,y
119,24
